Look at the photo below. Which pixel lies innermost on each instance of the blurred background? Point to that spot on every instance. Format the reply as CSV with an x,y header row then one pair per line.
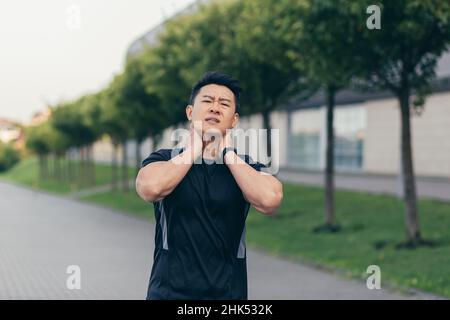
x,y
358,91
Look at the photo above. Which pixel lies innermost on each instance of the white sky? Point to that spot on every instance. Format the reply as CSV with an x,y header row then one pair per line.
x,y
44,58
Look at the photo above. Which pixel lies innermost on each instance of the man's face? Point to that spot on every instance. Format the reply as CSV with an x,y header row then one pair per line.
x,y
215,107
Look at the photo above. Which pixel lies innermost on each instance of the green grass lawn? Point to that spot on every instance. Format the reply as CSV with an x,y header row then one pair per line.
x,y
372,225
128,202
26,173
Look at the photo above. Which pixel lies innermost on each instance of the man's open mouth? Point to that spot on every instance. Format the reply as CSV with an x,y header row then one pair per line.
x,y
212,120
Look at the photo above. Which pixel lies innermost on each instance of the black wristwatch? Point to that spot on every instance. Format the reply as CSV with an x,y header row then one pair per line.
x,y
225,150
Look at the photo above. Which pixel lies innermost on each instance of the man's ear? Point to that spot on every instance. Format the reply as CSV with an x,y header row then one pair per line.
x,y
189,109
235,120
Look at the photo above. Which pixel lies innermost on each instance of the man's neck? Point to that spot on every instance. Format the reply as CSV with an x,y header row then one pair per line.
x,y
210,149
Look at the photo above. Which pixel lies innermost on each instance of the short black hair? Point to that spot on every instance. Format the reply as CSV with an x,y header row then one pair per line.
x,y
214,77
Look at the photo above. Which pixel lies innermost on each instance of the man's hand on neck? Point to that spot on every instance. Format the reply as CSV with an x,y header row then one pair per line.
x,y
211,148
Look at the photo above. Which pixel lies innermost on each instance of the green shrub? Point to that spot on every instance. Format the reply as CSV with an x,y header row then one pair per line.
x,y
8,157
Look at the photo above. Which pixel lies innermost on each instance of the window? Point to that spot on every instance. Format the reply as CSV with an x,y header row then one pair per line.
x,y
306,147
349,129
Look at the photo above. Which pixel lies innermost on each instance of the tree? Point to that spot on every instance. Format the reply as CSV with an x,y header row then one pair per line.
x,y
117,121
167,69
262,51
401,58
142,110
37,142
251,40
112,123
8,156
68,118
58,143
329,43
89,107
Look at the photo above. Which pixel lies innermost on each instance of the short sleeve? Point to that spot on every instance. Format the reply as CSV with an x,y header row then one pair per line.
x,y
158,155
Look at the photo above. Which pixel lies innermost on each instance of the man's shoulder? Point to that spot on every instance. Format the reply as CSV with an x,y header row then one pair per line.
x,y
161,155
169,153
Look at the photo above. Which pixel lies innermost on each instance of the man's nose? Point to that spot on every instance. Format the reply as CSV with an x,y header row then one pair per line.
x,y
214,106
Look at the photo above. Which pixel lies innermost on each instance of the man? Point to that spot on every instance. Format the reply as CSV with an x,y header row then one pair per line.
x,y
201,206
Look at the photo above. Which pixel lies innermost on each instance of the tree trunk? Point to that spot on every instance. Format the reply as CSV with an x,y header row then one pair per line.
x,y
409,184
56,167
51,166
64,171
45,170
329,165
155,142
114,175
42,167
70,174
78,166
138,156
91,164
267,126
125,181
83,174
87,166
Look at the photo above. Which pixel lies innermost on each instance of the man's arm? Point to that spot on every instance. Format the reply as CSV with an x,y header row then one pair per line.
x,y
262,190
158,179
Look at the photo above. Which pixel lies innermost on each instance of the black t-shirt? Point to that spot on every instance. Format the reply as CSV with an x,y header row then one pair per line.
x,y
200,250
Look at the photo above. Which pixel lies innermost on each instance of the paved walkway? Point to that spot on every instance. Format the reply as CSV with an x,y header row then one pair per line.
x,y
42,234
435,188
